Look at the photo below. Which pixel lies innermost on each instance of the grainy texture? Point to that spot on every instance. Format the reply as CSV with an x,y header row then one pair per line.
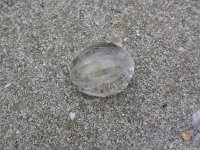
x,y
39,39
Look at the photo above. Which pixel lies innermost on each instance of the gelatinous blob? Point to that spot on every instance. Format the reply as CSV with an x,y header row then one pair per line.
x,y
102,69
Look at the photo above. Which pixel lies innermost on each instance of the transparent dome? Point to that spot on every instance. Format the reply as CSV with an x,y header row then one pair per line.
x,y
102,69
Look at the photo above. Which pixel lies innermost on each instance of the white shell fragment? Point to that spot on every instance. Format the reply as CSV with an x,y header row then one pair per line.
x,y
72,115
102,69
196,119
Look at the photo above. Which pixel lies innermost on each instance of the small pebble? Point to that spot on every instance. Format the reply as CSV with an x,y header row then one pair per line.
x,y
171,146
30,119
125,39
164,105
143,148
7,85
72,115
138,32
186,135
119,43
86,127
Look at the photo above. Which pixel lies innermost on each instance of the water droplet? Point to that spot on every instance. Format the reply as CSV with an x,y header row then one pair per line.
x,y
102,69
